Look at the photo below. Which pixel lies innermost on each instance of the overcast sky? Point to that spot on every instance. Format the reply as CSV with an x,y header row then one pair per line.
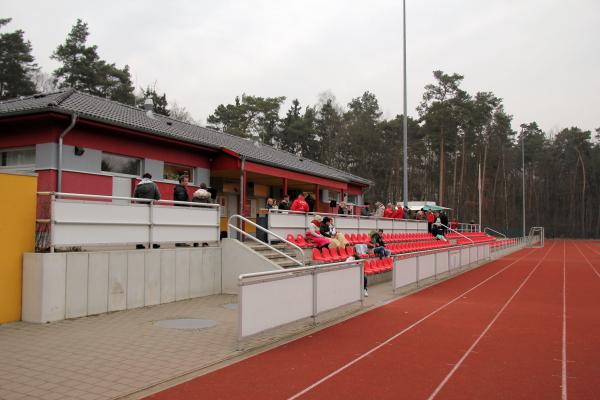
x,y
541,56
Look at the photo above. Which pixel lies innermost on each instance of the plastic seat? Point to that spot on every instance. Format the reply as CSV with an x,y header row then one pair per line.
x,y
316,255
343,253
350,251
327,255
301,242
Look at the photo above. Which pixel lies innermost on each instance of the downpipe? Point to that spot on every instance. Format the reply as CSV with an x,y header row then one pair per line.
x,y
60,152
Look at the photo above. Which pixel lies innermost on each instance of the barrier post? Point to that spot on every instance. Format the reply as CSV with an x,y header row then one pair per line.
x,y
314,287
52,219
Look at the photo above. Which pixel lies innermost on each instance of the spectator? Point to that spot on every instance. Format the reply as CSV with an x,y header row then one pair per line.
x,y
379,210
284,204
399,213
146,189
310,201
389,211
180,191
201,195
342,210
364,211
430,220
300,204
379,244
314,233
420,214
336,239
444,221
270,204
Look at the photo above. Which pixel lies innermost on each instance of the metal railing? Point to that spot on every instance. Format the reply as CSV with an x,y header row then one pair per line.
x,y
452,230
81,220
268,232
464,227
495,231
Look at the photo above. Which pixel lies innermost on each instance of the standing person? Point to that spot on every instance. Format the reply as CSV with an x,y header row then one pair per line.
x,y
389,211
270,203
379,210
444,221
364,211
310,201
146,189
342,209
300,204
399,213
180,191
430,220
201,195
284,204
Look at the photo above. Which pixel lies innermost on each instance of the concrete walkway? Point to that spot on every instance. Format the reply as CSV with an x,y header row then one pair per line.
x,y
126,355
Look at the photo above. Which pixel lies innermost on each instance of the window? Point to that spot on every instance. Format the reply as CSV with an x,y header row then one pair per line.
x,y
172,172
121,164
17,157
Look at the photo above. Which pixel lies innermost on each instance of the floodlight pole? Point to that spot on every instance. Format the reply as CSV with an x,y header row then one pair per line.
x,y
405,119
523,173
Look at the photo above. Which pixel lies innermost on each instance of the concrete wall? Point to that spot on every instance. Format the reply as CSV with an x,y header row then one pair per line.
x,y
57,286
17,235
239,259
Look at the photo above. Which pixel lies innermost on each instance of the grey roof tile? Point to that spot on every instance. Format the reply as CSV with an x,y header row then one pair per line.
x,y
111,112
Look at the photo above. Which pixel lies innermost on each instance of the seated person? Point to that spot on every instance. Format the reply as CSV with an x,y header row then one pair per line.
x,y
336,239
314,233
379,244
399,213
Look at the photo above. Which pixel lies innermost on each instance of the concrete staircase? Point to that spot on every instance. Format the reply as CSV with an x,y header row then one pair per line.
x,y
275,257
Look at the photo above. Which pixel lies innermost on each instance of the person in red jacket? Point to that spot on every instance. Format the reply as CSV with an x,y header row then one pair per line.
x,y
389,211
300,204
399,213
430,220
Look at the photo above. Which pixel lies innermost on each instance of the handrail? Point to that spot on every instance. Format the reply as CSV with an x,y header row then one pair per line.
x,y
495,231
452,230
135,199
246,220
334,215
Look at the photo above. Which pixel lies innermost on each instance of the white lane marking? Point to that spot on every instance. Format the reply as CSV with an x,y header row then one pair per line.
x,y
487,328
564,324
591,248
357,359
587,260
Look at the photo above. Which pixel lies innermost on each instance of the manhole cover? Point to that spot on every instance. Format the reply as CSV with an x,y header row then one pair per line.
x,y
186,323
231,306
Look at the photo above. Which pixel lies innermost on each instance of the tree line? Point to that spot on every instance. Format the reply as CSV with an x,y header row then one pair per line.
x,y
454,134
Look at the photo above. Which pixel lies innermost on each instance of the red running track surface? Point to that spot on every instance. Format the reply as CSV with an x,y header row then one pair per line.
x,y
526,326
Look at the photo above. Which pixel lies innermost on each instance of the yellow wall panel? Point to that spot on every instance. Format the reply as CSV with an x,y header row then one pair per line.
x,y
17,236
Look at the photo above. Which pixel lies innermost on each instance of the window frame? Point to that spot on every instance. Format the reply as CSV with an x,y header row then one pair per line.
x,y
122,174
191,177
18,167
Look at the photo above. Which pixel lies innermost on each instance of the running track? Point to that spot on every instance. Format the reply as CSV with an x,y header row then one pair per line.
x,y
526,326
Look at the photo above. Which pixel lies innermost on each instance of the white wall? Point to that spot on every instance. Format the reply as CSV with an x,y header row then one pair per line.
x,y
57,286
239,259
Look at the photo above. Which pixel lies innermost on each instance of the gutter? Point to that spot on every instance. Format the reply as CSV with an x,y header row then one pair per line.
x,y
60,152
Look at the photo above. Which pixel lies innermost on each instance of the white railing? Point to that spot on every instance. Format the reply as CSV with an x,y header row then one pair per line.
x,y
464,227
270,299
284,222
413,268
245,234
494,231
92,220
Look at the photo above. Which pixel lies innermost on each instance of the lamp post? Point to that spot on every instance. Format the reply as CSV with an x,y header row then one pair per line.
x,y
523,172
405,119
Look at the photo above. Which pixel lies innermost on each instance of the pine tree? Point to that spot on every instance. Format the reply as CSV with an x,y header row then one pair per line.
x,y
16,64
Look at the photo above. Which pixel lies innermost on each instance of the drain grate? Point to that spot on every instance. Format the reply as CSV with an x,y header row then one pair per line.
x,y
186,323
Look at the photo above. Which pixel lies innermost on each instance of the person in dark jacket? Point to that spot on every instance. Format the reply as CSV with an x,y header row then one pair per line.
x,y
378,244
444,220
325,227
310,201
180,192
146,189
284,204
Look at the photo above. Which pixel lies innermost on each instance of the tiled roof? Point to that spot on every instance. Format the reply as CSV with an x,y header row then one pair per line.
x,y
114,113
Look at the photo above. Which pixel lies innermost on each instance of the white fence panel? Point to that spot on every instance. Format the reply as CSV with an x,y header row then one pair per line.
x,y
442,260
426,266
270,304
465,257
454,259
405,271
385,224
473,254
338,287
283,224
